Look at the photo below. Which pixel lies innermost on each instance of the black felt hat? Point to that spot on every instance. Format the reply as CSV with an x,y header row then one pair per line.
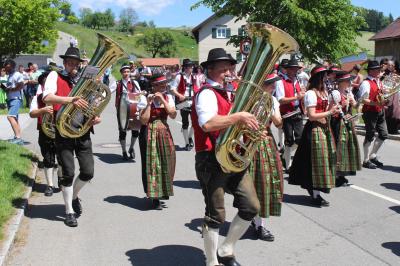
x,y
216,55
284,62
72,52
373,64
187,62
292,63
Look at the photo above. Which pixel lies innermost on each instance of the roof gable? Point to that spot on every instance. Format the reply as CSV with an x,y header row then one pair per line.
x,y
390,32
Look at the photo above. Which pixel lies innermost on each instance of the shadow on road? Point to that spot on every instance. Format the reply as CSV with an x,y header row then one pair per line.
x,y
52,212
393,246
395,208
141,204
392,168
392,186
298,200
178,148
169,255
187,184
40,188
111,158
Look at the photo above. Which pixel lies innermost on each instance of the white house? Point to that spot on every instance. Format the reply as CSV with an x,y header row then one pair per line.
x,y
215,31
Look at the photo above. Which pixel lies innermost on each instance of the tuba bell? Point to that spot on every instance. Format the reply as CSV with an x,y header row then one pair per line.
x,y
73,122
236,146
48,126
391,86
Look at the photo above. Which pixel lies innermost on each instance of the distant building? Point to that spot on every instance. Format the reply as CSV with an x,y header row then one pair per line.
x,y
215,32
387,41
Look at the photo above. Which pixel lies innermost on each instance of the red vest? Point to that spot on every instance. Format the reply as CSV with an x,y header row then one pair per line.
x,y
64,87
289,92
130,87
373,93
321,105
41,104
158,113
182,84
205,141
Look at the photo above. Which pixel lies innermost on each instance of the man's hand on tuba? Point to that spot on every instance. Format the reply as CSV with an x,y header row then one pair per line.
x,y
78,102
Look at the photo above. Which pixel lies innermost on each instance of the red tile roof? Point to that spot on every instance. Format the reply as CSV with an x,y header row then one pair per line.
x,y
348,66
392,31
159,61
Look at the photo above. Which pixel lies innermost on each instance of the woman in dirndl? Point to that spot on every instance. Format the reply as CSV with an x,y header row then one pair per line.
x,y
347,149
156,143
266,170
314,163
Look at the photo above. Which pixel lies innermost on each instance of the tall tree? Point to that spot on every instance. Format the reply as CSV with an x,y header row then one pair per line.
x,y
24,24
127,18
109,18
323,29
86,16
157,42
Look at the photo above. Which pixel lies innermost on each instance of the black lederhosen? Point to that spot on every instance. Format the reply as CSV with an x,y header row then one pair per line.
x,y
185,114
47,149
375,122
122,134
214,183
292,129
82,148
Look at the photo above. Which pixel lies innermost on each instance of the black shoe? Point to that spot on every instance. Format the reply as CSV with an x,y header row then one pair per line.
x,y
341,181
157,204
228,260
132,154
49,191
264,234
70,220
77,207
369,165
253,224
188,147
376,162
125,156
320,202
191,144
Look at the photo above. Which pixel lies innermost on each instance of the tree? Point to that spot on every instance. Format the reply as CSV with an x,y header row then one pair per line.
x,y
127,19
65,9
151,24
86,15
71,19
109,18
24,24
323,29
156,41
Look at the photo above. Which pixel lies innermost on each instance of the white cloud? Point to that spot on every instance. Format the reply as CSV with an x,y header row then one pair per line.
x,y
146,7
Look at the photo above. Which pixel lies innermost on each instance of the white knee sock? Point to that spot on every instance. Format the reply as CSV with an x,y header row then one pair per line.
x,y
366,150
191,132
236,230
210,236
78,185
258,221
377,145
185,136
288,157
316,193
67,194
281,136
123,145
133,141
48,173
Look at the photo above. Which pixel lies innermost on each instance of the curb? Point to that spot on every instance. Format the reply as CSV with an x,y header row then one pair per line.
x,y
361,131
15,221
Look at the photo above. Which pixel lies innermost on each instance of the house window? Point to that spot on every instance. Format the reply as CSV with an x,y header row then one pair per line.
x,y
221,32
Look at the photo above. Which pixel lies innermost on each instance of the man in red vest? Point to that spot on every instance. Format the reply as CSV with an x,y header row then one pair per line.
x,y
289,95
210,115
57,88
183,88
373,115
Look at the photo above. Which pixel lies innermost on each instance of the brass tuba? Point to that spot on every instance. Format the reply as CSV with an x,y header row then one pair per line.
x,y
48,127
391,86
236,146
73,122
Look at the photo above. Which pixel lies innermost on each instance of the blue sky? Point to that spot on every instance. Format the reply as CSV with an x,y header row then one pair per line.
x,y
174,13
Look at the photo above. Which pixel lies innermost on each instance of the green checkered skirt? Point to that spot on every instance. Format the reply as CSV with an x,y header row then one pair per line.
x,y
348,151
160,160
267,175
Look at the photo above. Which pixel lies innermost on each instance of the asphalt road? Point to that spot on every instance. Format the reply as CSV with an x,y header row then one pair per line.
x,y
119,228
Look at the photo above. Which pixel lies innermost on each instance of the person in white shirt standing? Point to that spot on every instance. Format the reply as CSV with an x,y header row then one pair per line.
x,y
183,87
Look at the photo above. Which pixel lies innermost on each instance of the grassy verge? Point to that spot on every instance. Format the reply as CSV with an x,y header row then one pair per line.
x,y
15,164
363,42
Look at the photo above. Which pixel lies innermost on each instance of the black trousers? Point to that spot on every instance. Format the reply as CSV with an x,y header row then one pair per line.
x,y
122,134
375,122
47,149
185,114
214,183
82,147
292,129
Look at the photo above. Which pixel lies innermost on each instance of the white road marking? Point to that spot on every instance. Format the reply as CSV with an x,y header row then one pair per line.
x,y
376,194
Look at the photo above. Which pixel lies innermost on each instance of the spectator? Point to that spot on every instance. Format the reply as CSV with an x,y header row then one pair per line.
x,y
302,77
200,77
32,83
3,95
357,80
134,70
71,41
13,87
106,76
25,76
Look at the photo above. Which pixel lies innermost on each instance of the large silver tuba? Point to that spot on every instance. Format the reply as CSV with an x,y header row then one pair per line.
x,y
74,122
236,146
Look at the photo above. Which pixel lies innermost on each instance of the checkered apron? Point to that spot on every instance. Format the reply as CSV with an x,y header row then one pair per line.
x,y
160,160
266,172
348,151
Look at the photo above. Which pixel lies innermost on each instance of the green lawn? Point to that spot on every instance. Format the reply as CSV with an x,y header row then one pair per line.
x,y
14,173
363,42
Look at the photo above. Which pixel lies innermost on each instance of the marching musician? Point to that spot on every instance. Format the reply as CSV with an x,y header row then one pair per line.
x,y
47,146
157,146
289,95
266,170
57,88
373,115
126,85
212,104
183,88
347,149
314,163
